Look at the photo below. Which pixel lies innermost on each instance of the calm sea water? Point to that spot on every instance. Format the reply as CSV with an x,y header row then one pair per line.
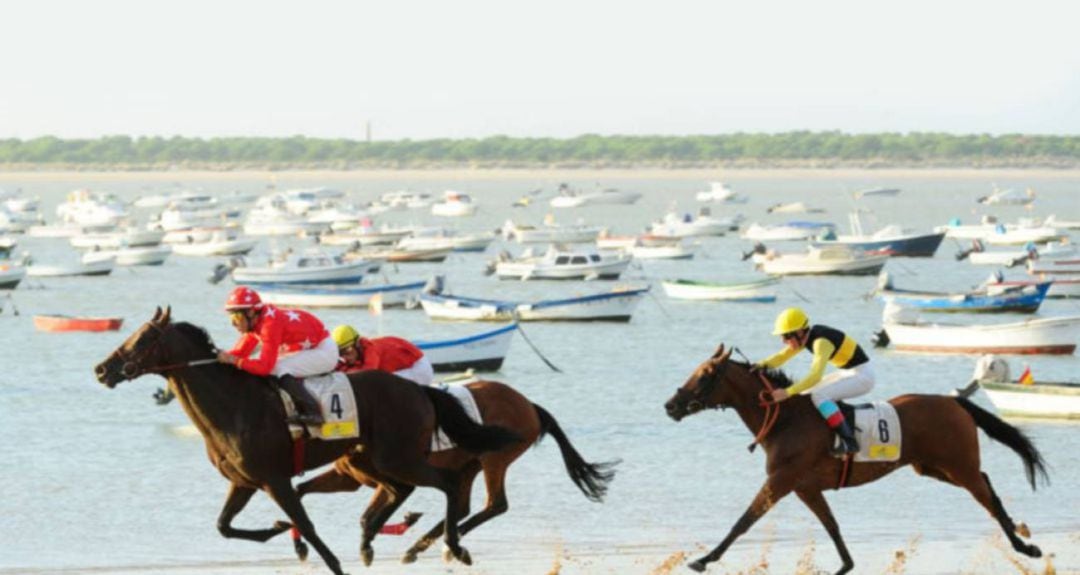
x,y
106,481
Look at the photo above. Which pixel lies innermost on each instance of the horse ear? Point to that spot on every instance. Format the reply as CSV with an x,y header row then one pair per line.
x,y
157,314
719,352
166,317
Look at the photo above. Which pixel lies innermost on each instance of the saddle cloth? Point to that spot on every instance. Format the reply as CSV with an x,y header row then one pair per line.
x,y
439,440
877,429
337,403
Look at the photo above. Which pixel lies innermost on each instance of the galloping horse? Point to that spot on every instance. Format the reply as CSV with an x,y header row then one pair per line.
x,y
242,420
499,405
940,441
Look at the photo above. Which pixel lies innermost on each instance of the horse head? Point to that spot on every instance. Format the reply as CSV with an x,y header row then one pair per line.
x,y
702,389
139,354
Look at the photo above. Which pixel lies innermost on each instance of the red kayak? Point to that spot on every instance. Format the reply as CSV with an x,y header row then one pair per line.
x,y
69,323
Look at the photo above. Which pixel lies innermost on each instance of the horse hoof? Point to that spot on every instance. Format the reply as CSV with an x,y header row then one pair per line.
x,y
1022,530
408,558
447,554
1033,552
698,566
367,555
301,549
464,556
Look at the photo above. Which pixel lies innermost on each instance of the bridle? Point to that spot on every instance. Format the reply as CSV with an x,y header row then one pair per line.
x,y
699,400
132,367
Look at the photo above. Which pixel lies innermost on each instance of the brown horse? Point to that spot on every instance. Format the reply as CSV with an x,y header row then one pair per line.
x,y
940,441
499,405
242,420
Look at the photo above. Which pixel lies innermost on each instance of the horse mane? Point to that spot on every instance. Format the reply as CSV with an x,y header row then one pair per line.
x,y
196,335
776,376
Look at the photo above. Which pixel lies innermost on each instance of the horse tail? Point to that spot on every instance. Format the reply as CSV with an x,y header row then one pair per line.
x,y
591,478
1015,439
462,430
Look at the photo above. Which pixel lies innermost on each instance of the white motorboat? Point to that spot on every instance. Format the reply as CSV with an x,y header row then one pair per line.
x,y
310,267
142,256
831,260
550,233
1056,335
719,192
674,225
454,204
219,243
789,232
130,237
1020,235
270,217
793,208
676,250
1009,258
14,222
562,263
438,238
615,305
341,296
570,198
405,199
1025,397
366,234
92,264
1009,197
88,208
750,291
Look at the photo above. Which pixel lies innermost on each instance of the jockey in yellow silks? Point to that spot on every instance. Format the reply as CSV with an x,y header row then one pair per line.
x,y
854,377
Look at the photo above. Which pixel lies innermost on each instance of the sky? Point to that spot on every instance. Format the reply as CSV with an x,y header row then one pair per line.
x,y
470,69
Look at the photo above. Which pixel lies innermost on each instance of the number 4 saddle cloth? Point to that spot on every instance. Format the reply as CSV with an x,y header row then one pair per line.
x,y
338,405
877,429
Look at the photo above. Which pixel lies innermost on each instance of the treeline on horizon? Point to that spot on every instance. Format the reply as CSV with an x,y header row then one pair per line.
x,y
822,149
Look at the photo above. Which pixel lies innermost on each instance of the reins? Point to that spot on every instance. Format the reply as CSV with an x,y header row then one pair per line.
x,y
131,368
772,412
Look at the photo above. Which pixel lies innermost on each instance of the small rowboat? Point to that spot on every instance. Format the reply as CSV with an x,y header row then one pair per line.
x,y
56,323
1036,336
481,352
336,295
738,292
1024,399
616,305
1018,299
10,276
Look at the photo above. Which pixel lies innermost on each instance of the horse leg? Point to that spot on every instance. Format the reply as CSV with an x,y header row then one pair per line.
x,y
418,472
984,493
282,492
333,481
235,501
773,491
816,502
387,499
464,498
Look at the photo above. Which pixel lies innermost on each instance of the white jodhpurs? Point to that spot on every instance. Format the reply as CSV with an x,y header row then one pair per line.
x,y
421,372
844,384
318,360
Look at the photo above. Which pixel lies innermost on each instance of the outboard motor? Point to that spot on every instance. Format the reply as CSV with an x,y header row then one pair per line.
x,y
991,368
435,285
759,248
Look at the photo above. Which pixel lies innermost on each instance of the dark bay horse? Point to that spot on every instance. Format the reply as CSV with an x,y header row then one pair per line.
x,y
499,405
940,441
242,420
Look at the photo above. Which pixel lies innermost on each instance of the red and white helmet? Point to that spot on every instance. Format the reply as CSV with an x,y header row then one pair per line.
x,y
243,297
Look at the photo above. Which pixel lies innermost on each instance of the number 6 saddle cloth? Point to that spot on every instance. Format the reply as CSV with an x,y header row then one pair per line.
x,y
337,403
877,429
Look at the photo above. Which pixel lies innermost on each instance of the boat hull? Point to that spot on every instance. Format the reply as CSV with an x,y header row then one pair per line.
x,y
481,352
1039,336
61,323
921,246
608,306
1036,400
1026,299
746,292
339,297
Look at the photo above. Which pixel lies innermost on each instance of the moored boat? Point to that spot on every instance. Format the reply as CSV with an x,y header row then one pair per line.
x,y
1019,299
11,275
1026,397
311,267
59,323
562,263
340,296
1056,335
484,351
615,305
832,260
752,291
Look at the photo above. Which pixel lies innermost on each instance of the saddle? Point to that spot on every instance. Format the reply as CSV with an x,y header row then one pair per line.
x,y
336,402
877,430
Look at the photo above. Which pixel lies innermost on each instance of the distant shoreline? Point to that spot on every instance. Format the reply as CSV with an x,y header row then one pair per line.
x,y
879,176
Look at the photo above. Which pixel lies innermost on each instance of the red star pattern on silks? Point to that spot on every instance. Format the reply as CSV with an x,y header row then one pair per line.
x,y
306,344
292,315
271,312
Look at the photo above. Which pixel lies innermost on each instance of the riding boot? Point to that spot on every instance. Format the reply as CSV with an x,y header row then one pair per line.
x,y
307,406
848,444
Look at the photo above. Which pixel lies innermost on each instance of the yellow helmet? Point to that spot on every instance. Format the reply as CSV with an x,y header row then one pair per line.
x,y
789,320
344,336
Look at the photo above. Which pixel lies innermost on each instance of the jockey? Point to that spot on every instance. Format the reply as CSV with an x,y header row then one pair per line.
x,y
391,354
855,376
294,344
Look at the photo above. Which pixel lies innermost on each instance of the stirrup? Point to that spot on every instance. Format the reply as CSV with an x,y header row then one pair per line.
x,y
304,419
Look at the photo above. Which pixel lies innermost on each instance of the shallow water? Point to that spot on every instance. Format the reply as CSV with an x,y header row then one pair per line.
x,y
108,481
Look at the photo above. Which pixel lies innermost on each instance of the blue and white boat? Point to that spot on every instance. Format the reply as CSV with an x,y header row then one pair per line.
x,y
341,296
616,305
1019,299
480,352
